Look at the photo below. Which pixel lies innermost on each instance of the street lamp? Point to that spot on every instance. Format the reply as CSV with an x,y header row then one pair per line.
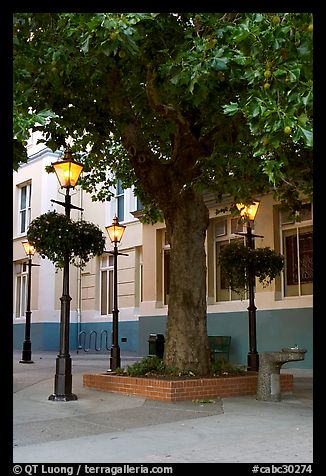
x,y
27,344
67,172
248,213
115,232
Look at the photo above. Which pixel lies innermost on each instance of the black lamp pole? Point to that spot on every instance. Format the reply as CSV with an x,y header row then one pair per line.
x,y
253,357
115,360
249,213
27,344
115,232
63,376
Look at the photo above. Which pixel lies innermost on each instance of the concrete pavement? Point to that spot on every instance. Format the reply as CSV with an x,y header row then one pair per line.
x,y
104,427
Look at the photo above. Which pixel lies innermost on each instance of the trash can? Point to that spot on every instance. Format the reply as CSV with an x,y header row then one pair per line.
x,y
156,345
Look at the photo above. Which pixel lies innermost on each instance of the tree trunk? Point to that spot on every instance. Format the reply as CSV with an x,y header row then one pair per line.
x,y
186,345
186,218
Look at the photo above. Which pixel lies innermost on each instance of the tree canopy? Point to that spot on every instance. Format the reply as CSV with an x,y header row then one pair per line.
x,y
173,104
240,84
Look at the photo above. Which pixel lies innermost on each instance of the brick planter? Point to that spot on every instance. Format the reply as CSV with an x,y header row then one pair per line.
x,y
172,390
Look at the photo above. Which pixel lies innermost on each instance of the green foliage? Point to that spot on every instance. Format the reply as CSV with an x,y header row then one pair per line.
x,y
168,102
22,124
153,365
54,235
238,80
221,367
202,401
145,366
236,260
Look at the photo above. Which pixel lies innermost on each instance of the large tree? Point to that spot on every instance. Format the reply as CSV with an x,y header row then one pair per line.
x,y
174,104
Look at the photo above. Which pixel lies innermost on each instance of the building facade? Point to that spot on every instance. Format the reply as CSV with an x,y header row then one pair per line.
x,y
284,309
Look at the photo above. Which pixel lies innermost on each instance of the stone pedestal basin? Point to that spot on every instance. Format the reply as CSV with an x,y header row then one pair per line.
x,y
270,363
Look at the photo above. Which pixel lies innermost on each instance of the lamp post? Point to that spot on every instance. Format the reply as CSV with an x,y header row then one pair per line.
x,y
27,344
67,172
249,214
115,232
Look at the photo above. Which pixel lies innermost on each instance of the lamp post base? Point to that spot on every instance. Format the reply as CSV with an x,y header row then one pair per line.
x,y
26,353
253,362
63,398
115,360
63,381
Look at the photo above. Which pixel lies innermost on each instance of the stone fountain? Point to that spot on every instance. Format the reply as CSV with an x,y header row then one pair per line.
x,y
270,363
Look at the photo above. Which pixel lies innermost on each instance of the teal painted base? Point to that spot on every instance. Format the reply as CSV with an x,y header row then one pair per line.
x,y
46,336
275,329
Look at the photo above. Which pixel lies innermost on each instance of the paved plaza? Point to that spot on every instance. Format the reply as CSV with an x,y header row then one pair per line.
x,y
103,427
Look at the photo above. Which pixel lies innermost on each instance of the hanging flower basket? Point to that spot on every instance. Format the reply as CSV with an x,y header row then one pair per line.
x,y
236,259
55,235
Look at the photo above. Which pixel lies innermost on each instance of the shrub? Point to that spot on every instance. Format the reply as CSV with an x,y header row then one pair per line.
x,y
153,365
222,367
236,259
146,365
55,235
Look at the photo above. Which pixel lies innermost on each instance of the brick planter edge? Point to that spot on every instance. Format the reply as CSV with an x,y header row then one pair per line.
x,y
176,390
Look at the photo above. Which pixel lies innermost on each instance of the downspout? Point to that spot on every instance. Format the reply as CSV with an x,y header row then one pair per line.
x,y
79,282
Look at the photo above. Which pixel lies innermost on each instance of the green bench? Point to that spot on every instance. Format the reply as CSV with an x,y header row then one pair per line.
x,y
219,346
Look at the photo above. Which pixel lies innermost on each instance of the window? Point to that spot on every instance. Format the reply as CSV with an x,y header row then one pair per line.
x,y
120,201
225,229
106,285
166,274
25,207
138,276
141,282
21,289
139,205
297,244
166,268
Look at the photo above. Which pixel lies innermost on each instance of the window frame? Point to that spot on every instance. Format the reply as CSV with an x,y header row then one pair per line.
x,y
292,229
227,237
166,248
21,290
120,201
108,269
27,210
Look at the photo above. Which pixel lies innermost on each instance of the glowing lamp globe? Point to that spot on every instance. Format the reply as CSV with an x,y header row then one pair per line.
x,y
115,231
29,249
67,170
248,211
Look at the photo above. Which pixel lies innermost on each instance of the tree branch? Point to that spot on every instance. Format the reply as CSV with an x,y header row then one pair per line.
x,y
166,111
186,149
222,134
150,171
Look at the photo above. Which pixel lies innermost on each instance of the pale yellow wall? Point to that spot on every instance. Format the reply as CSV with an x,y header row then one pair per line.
x,y
152,258
143,244
90,284
126,279
127,270
266,224
84,285
25,175
21,258
93,211
210,260
72,287
43,188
